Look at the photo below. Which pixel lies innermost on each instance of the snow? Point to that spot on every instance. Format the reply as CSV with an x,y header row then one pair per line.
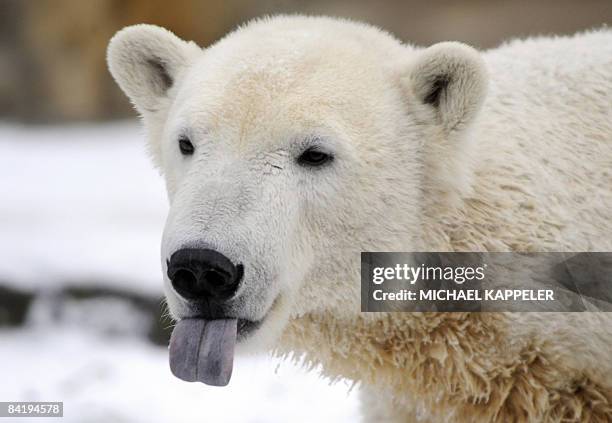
x,y
83,205
79,202
125,380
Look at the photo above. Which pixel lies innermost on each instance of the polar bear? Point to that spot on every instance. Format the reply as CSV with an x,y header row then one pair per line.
x,y
294,143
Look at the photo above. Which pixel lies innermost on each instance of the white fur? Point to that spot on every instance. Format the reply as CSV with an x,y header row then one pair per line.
x,y
514,154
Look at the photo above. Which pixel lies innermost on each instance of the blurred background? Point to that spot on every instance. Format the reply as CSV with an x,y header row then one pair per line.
x,y
82,210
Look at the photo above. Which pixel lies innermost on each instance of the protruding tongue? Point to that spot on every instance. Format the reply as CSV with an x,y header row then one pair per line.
x,y
203,350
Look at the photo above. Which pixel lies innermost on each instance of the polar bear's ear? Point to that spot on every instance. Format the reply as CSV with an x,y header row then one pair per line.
x,y
146,62
451,78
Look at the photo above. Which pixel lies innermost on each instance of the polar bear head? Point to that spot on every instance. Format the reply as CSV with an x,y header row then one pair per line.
x,y
288,147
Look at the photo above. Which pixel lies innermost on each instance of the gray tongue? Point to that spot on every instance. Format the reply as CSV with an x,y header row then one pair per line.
x,y
203,350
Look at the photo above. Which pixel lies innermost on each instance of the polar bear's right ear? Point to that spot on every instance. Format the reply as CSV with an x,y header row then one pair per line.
x,y
451,78
146,62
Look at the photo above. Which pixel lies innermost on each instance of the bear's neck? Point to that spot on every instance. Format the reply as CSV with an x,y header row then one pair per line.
x,y
392,348
480,217
482,198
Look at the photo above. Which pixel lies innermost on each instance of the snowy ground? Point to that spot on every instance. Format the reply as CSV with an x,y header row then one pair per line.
x,y
83,206
123,380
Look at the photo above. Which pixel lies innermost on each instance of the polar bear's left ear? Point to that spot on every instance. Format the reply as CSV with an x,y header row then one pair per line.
x,y
146,61
451,78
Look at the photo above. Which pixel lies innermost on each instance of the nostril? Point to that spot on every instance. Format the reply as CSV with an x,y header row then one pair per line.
x,y
215,278
186,284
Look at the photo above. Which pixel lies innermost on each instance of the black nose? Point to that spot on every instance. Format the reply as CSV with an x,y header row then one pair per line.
x,y
201,273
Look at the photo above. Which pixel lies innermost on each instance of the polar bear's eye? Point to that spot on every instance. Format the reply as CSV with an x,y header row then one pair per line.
x,y
186,146
314,157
